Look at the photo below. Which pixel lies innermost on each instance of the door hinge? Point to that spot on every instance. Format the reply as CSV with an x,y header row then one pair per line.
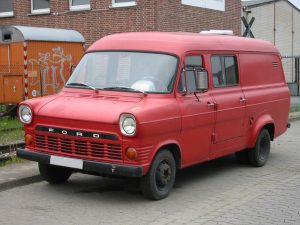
x,y
213,137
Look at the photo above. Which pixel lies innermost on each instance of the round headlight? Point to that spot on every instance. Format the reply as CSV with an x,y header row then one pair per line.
x,y
127,124
25,114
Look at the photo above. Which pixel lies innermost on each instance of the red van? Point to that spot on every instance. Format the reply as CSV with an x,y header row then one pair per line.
x,y
146,104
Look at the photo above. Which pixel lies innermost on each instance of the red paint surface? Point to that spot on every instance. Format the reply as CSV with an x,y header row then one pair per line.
x,y
200,132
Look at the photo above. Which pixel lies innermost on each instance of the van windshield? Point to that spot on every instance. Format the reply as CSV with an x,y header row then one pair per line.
x,y
125,71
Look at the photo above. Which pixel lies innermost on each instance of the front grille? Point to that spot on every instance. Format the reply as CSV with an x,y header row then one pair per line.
x,y
78,148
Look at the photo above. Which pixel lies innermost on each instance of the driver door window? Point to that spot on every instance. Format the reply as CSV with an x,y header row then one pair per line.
x,y
191,64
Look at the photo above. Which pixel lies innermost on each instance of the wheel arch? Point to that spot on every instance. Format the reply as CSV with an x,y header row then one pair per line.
x,y
174,148
263,122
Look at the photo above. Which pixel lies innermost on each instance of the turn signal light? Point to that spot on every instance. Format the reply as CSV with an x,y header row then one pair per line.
x,y
28,139
131,153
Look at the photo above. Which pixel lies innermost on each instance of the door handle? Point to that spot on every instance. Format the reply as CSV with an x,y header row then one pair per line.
x,y
212,105
242,100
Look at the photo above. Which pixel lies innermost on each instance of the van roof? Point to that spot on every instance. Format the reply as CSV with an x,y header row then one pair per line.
x,y
177,43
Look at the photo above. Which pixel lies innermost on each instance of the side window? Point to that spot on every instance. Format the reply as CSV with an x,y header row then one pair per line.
x,y
224,70
218,76
231,70
192,63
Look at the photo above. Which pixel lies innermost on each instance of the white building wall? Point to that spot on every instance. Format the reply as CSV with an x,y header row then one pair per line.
x,y
264,22
296,15
284,36
296,21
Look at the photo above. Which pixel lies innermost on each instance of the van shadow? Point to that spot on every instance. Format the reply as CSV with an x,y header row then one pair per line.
x,y
116,189
206,170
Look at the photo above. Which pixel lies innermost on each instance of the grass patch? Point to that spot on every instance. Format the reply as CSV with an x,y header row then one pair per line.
x,y
2,108
11,160
10,122
296,108
8,136
11,137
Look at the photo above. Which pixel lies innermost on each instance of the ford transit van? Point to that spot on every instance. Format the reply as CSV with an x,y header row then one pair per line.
x,y
145,105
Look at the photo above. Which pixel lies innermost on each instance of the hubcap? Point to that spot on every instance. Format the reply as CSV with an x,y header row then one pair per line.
x,y
163,174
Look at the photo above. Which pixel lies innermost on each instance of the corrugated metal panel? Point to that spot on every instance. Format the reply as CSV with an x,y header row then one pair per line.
x,y
11,72
11,59
17,58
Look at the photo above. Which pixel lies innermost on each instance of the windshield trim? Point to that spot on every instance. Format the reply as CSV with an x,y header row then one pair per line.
x,y
138,51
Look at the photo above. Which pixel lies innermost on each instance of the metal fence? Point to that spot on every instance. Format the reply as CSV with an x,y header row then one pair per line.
x,y
291,68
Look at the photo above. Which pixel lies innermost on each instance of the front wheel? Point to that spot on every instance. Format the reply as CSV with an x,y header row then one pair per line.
x,y
160,179
54,174
259,155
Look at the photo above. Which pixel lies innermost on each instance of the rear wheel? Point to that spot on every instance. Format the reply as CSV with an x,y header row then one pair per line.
x,y
160,179
54,174
258,156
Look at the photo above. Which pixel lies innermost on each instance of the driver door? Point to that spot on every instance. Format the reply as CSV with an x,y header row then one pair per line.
x,y
198,118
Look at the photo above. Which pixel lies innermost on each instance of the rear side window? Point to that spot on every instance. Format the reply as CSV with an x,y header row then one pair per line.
x,y
224,70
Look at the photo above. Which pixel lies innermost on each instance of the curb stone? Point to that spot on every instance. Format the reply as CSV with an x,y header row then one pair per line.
x,y
294,116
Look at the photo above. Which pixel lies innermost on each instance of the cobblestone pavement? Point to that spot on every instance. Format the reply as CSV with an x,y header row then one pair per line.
x,y
218,192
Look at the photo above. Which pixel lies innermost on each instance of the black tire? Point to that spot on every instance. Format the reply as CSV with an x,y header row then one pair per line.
x,y
54,174
258,156
242,157
160,179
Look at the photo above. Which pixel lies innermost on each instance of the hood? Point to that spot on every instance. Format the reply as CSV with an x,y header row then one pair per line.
x,y
103,109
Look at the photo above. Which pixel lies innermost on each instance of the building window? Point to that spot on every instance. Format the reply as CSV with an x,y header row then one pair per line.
x,y
6,8
77,5
40,6
209,4
123,3
224,70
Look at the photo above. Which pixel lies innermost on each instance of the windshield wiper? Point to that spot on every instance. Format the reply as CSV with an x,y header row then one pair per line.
x,y
82,84
120,88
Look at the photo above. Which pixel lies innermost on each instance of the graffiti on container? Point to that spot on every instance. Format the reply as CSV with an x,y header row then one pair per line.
x,y
49,69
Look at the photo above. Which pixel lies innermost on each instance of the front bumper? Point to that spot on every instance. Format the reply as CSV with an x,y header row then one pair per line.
x,y
88,166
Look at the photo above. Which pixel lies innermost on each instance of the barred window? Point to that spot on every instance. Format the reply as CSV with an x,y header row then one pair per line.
x,y
76,5
40,6
123,3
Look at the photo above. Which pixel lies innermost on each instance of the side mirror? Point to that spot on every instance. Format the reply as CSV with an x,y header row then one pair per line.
x,y
201,80
194,80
